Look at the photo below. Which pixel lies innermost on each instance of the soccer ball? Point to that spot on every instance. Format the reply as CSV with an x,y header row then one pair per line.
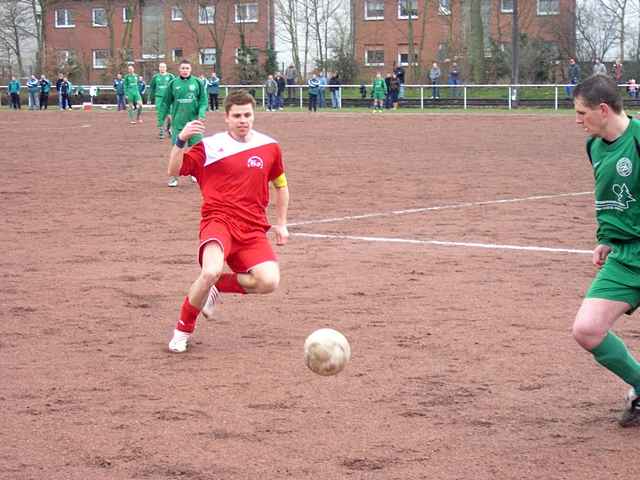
x,y
326,351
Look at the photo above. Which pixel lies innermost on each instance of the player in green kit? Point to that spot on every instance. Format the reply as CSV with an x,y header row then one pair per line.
x,y
614,151
157,89
185,100
132,94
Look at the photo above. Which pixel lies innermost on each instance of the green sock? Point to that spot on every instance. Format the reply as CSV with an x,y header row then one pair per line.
x,y
613,355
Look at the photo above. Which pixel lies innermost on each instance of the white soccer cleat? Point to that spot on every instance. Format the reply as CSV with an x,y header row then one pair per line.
x,y
194,179
210,304
173,182
180,342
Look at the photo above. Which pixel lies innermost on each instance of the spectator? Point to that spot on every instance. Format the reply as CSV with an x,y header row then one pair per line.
x,y
617,71
14,93
58,83
142,86
118,86
271,88
33,88
314,88
387,97
399,71
45,88
434,77
213,90
394,91
378,92
291,74
599,68
323,86
632,88
282,85
65,93
454,79
334,87
574,77
363,91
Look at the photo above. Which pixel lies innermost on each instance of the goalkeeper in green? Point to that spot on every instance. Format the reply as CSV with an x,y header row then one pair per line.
x,y
185,100
157,89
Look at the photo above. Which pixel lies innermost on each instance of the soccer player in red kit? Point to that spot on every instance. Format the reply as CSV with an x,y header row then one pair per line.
x,y
233,169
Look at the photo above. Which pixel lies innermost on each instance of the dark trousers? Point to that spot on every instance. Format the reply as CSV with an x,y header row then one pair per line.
x,y
313,103
290,90
121,103
66,103
44,101
15,101
213,101
435,91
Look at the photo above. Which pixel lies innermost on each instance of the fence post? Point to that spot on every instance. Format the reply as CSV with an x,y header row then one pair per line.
x,y
421,98
465,96
556,100
509,101
300,97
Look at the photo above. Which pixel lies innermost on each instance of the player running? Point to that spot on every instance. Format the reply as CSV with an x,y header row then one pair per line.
x,y
614,151
234,169
157,89
185,100
132,94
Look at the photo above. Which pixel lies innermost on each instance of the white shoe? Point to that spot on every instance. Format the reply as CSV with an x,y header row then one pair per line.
x,y
194,180
180,342
210,304
173,182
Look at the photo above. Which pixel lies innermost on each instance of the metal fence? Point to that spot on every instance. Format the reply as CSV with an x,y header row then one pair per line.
x,y
465,96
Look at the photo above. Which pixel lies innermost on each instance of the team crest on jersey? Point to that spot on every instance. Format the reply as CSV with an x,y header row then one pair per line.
x,y
624,167
255,162
192,88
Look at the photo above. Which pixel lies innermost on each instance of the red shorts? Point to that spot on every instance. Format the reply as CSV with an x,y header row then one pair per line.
x,y
242,250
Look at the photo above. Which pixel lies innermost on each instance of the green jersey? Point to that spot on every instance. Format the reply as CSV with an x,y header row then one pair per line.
x,y
185,100
158,86
616,167
131,84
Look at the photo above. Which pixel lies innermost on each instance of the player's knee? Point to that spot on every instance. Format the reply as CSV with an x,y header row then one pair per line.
x,y
586,333
267,282
210,275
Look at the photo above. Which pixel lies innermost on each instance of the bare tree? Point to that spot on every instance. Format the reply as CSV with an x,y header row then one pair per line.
x,y
617,9
288,18
596,34
14,29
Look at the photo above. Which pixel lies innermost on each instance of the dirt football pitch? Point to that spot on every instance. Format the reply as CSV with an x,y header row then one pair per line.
x,y
451,249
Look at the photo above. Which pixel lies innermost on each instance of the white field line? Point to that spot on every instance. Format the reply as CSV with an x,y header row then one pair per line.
x,y
491,246
435,208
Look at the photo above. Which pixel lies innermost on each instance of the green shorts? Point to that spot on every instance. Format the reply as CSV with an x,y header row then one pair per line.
x,y
134,98
619,277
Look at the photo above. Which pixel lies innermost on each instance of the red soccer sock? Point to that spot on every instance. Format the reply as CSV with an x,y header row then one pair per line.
x,y
188,315
228,283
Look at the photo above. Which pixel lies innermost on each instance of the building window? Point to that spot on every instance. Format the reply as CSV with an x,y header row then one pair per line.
x,y
407,8
99,17
444,7
374,56
176,55
127,15
506,6
206,14
248,57
207,56
403,56
548,7
64,58
246,12
374,10
176,14
100,59
64,18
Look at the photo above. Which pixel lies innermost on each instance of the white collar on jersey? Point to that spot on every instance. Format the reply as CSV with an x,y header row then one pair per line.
x,y
222,145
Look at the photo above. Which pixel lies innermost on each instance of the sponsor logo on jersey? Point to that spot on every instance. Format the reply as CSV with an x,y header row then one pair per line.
x,y
624,167
623,199
255,162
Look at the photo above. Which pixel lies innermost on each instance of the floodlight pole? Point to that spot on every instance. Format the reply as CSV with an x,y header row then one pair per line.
x,y
515,50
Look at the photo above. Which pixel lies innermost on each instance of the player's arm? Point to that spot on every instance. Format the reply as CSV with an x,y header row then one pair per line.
x,y
282,207
152,90
176,156
204,103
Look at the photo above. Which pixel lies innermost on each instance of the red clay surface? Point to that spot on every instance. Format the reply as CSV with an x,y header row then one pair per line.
x,y
463,365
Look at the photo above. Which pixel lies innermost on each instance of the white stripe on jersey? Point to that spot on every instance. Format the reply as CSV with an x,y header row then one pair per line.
x,y
222,145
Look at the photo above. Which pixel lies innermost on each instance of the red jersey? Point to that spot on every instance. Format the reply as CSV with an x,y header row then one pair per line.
x,y
234,178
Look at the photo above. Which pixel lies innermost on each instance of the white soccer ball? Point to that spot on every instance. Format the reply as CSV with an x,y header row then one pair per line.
x,y
326,351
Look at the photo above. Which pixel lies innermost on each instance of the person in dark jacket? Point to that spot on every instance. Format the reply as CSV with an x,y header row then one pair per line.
x,y
45,88
282,85
118,86
334,87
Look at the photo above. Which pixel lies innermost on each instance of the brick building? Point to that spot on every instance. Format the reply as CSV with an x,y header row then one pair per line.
x,y
93,39
383,30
